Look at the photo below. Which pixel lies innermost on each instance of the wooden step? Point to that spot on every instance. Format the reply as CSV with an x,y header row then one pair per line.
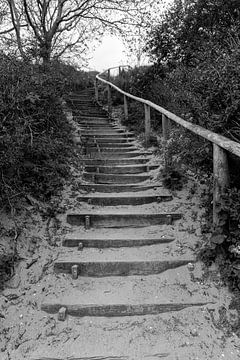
x,y
88,112
103,131
117,140
115,178
128,199
119,219
118,188
120,146
130,295
109,144
92,119
118,150
113,240
110,310
78,112
114,162
113,134
117,267
97,127
120,169
115,155
92,122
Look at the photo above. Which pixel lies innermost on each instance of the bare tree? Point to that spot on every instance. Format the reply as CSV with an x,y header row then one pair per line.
x,y
59,26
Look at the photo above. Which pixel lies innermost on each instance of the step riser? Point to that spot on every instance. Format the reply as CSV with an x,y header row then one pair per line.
x,y
84,115
110,145
120,170
107,155
112,140
103,122
106,132
115,136
125,201
102,149
103,269
114,188
116,243
118,310
88,113
84,102
83,105
122,220
102,127
93,119
90,121
77,107
112,178
114,162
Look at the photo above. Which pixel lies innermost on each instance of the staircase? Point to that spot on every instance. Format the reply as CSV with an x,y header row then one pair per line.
x,y
119,266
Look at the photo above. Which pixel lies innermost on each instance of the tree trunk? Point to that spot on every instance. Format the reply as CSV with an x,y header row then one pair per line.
x,y
45,53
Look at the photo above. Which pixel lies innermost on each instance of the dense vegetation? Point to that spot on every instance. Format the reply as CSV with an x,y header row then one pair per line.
x,y
196,51
35,137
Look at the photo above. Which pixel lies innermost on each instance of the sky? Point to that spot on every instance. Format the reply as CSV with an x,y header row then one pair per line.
x,y
108,54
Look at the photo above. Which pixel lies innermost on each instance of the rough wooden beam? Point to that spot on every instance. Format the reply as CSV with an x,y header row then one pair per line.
x,y
96,89
222,141
220,184
109,100
125,108
165,132
147,123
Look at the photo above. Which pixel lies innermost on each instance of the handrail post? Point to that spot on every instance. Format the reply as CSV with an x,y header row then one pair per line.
x,y
96,89
147,123
165,133
109,74
221,182
125,107
109,99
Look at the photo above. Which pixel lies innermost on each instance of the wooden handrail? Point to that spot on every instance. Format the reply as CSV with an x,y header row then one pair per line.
x,y
222,141
221,144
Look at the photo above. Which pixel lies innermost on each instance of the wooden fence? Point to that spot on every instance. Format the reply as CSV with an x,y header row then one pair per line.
x,y
221,144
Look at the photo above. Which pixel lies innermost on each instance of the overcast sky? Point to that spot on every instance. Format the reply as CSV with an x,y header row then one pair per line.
x,y
108,54
111,52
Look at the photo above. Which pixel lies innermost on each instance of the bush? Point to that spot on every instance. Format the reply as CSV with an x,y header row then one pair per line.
x,y
35,136
198,80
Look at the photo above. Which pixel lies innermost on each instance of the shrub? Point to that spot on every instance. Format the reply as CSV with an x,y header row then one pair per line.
x,y
35,136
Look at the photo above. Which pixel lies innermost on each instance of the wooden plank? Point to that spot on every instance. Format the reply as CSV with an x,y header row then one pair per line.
x,y
110,310
147,124
125,108
117,220
96,89
117,268
109,100
220,183
222,141
165,132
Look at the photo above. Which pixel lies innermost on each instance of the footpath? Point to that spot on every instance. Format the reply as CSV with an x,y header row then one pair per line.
x,y
122,281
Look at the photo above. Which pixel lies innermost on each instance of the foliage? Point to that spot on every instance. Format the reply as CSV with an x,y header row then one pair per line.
x,y
188,30
196,51
35,136
51,29
223,247
177,150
